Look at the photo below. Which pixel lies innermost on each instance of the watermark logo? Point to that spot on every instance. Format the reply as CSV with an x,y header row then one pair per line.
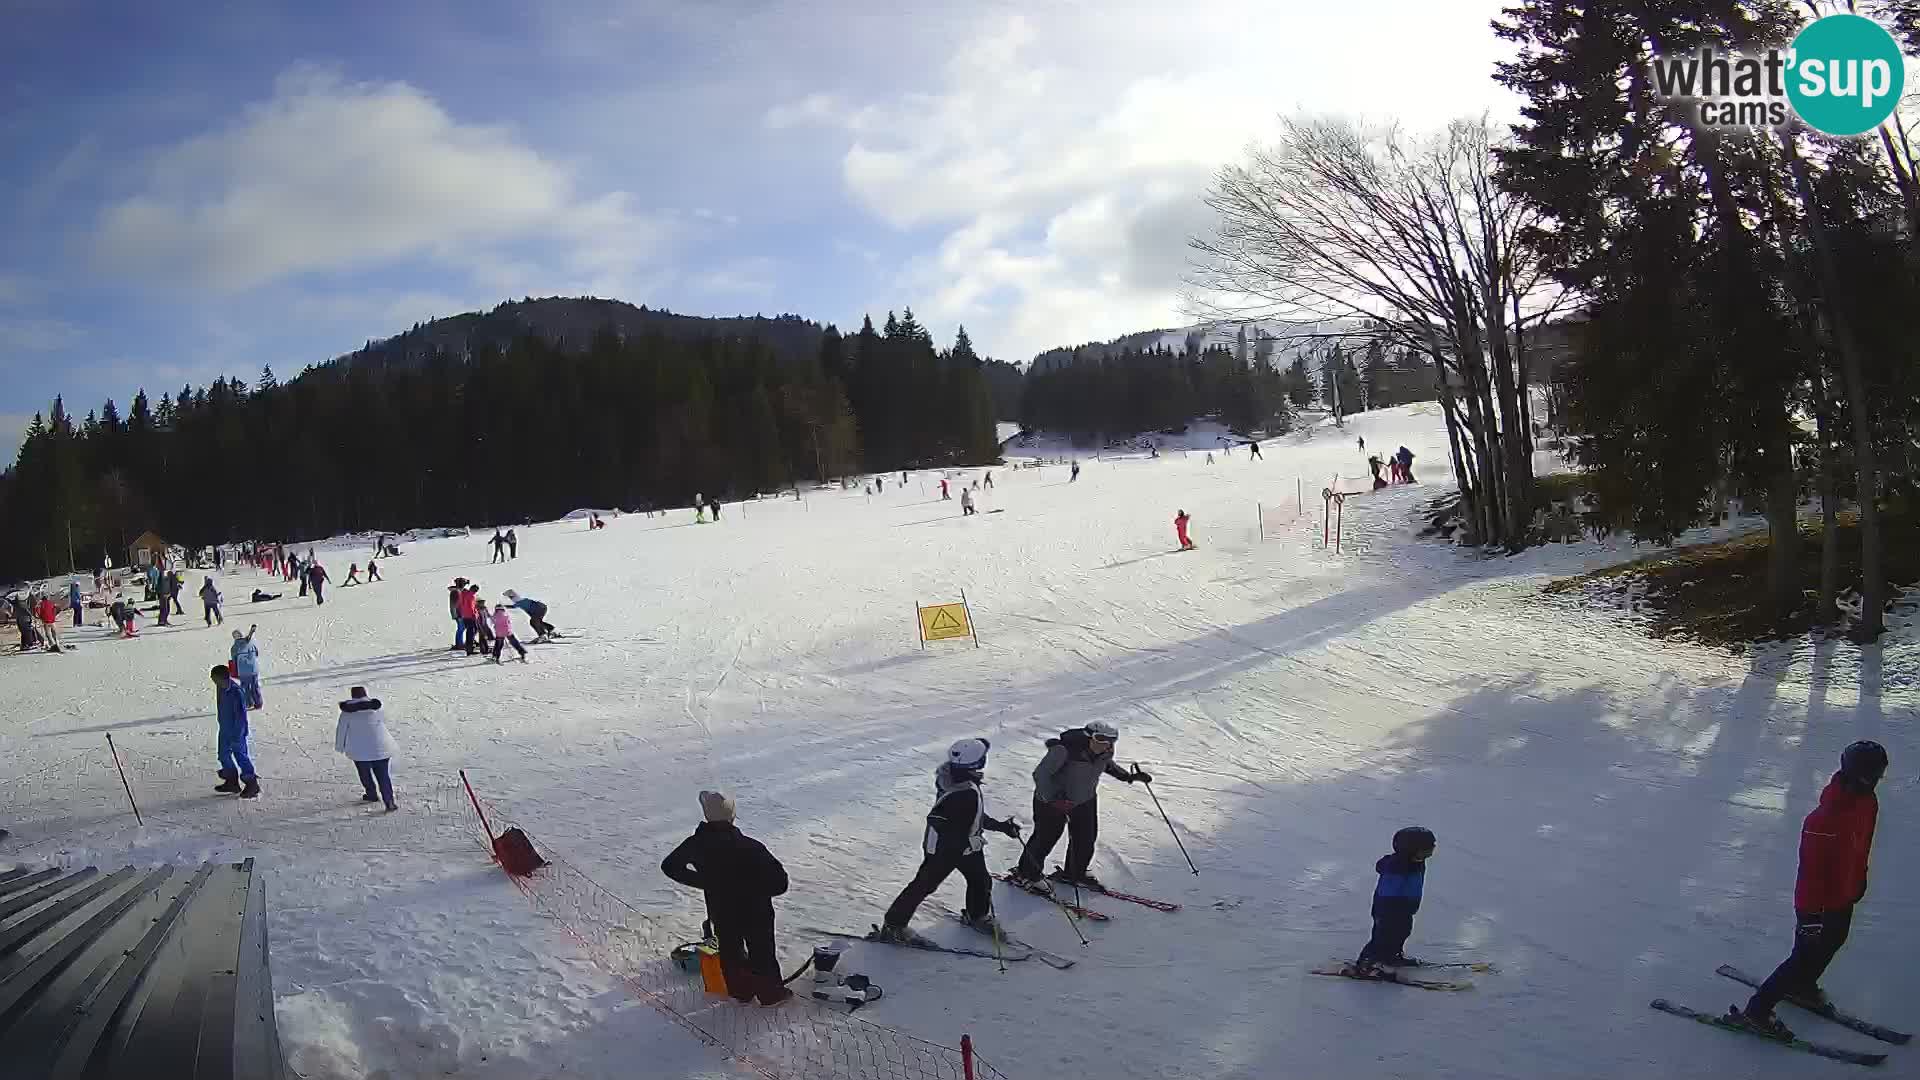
x,y
1843,75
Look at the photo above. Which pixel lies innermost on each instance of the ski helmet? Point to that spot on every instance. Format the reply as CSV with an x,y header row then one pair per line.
x,y
1864,761
1413,840
511,595
968,754
1103,729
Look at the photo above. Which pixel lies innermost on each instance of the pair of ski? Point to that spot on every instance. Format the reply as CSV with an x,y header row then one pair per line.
x,y
1836,1053
1012,950
1405,976
1051,893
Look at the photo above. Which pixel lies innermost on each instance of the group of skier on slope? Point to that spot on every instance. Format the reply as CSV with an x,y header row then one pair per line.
x,y
475,629
740,877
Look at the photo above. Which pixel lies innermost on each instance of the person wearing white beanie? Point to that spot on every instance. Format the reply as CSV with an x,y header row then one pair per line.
x,y
740,878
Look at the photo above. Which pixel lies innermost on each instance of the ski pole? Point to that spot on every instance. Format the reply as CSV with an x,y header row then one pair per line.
x,y
1169,821
1071,924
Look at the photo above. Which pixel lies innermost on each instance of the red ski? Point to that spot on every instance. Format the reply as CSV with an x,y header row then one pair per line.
x,y
1054,897
1143,901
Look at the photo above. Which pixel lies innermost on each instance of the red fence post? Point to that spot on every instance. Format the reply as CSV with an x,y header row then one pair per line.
x,y
476,808
966,1055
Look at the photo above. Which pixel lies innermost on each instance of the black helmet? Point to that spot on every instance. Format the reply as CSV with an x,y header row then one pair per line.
x,y
1413,840
1864,762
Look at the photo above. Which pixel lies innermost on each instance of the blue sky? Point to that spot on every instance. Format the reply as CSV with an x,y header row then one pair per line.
x,y
191,190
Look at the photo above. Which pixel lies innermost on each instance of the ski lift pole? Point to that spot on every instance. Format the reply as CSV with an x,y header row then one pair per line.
x,y
1169,821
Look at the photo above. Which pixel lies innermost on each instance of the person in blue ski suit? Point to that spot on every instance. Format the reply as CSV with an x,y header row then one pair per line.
x,y
536,612
1396,899
73,599
236,766
245,665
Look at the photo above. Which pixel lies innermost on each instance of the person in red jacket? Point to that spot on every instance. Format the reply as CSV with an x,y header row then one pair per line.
x,y
1834,843
1180,529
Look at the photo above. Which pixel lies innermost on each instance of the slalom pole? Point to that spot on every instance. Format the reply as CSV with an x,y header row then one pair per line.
x,y
1169,821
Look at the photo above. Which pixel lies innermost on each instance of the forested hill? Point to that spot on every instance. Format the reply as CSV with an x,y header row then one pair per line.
x,y
572,322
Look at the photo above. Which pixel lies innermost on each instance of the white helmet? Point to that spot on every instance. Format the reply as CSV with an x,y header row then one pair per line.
x,y
968,754
511,595
1103,729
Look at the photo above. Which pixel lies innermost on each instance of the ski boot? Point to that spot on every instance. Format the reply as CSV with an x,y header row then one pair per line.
x,y
1019,879
1764,1023
829,985
983,922
1813,999
1370,969
229,782
1400,960
252,790
900,935
369,796
1082,880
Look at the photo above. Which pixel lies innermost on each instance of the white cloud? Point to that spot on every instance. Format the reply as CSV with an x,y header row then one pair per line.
x,y
37,335
331,176
1062,160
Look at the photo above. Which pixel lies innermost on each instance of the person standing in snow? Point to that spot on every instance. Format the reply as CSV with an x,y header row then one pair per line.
x,y
73,599
210,601
954,840
503,634
454,592
713,504
1405,458
178,585
499,543
966,502
1396,899
353,575
316,576
1180,520
236,765
482,634
988,480
1835,841
361,734
740,878
1209,457
299,571
1361,441
1076,472
536,615
513,542
1254,446
243,663
944,493
49,622
1066,799
373,571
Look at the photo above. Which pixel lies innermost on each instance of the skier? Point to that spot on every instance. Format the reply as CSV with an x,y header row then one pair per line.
x,y
989,480
513,541
1373,466
1180,520
482,626
1076,472
1255,447
1396,898
49,622
699,509
536,615
361,734
353,575
503,634
1361,440
122,613
713,503
210,601
454,592
316,576
236,765
179,582
1834,843
73,599
954,840
499,543
966,502
299,570
1065,797
1209,457
261,596
373,571
944,493
243,663
1405,457
880,485
465,601
740,878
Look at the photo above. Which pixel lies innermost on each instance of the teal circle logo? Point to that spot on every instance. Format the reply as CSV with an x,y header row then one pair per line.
x,y
1847,75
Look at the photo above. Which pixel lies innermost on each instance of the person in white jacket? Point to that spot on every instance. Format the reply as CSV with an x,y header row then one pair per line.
x,y
362,736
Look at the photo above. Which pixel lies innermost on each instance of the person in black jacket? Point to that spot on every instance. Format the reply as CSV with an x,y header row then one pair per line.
x,y
954,841
741,878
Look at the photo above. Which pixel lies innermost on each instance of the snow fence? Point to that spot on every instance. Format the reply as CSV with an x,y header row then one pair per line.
x,y
800,1039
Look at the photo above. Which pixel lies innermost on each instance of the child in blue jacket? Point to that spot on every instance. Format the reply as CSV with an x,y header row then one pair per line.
x,y
1396,898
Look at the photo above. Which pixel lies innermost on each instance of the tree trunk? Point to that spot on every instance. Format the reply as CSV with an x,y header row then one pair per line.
x,y
1825,610
1873,579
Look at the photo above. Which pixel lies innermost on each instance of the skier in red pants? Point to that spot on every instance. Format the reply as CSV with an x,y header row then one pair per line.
x,y
1180,529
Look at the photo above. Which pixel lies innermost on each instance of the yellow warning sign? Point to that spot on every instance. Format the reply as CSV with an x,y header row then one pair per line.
x,y
942,621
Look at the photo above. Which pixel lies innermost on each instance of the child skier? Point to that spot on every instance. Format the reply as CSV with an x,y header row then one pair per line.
x,y
243,661
361,734
1834,843
1180,530
1396,898
944,494
966,502
699,508
353,575
236,765
954,840
740,878
210,601
373,571
1065,799
1255,447
503,634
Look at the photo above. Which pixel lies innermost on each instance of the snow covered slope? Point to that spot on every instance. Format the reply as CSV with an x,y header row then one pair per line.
x,y
1616,817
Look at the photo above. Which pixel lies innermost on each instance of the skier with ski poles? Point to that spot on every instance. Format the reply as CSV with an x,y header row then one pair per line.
x,y
1835,841
1066,799
954,840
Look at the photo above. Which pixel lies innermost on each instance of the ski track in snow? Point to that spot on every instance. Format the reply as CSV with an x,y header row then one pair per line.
x,y
1617,816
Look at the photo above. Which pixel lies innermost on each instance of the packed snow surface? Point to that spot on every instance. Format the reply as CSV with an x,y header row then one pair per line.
x,y
1615,816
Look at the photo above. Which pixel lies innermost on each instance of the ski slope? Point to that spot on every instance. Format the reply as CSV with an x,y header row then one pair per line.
x,y
1615,816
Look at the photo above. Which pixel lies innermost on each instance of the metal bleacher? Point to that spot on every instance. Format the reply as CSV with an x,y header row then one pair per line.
x,y
149,973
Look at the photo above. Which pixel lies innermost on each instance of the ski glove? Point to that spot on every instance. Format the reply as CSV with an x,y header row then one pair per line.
x,y
1139,776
